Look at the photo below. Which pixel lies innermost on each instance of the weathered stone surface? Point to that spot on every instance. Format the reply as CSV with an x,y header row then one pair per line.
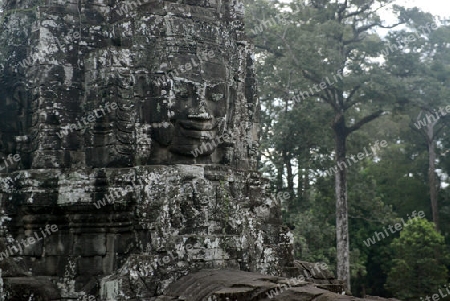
x,y
322,277
178,219
149,107
28,288
222,285
132,127
125,83
62,62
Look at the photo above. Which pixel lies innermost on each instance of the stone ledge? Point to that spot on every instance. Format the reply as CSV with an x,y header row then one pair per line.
x,y
221,285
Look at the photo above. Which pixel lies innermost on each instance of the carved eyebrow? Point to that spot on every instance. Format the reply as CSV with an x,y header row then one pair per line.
x,y
217,96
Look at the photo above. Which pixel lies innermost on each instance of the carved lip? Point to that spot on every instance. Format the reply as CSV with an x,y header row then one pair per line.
x,y
206,135
201,116
197,125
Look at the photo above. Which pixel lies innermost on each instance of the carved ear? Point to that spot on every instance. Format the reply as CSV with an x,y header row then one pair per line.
x,y
43,116
221,127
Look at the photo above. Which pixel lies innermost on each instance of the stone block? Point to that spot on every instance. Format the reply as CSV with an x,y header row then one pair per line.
x,y
90,245
49,266
58,244
92,265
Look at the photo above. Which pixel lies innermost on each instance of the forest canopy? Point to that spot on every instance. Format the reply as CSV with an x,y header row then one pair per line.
x,y
356,112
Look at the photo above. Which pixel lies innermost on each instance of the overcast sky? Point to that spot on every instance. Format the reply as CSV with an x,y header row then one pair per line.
x,y
436,7
440,8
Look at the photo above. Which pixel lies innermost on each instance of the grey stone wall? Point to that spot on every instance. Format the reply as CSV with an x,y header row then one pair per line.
x,y
132,126
161,62
149,225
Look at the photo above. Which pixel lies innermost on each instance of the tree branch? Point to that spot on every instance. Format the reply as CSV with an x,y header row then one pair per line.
x,y
363,9
290,49
391,26
312,77
365,120
330,101
342,9
349,103
264,47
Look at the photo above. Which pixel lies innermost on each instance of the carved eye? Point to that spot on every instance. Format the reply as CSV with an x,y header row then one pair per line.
x,y
217,97
183,92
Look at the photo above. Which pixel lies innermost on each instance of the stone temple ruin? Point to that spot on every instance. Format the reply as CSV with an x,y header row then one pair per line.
x,y
131,127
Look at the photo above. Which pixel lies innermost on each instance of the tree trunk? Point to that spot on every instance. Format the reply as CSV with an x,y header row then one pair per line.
x,y
306,186
290,178
300,173
342,237
280,169
432,182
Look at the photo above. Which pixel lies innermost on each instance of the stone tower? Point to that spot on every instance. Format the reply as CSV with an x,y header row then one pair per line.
x,y
131,128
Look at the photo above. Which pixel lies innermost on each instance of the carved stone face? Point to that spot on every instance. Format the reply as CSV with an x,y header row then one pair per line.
x,y
197,115
184,87
192,106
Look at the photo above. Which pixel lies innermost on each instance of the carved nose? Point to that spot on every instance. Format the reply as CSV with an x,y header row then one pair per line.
x,y
201,112
203,107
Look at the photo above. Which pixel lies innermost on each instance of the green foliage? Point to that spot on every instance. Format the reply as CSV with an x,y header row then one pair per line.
x,y
418,265
312,42
315,232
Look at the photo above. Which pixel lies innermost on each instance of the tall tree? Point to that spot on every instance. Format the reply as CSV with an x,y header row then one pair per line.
x,y
326,53
422,61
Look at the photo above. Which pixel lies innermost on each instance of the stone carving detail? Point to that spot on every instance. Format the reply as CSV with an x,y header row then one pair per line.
x,y
132,126
136,125
180,80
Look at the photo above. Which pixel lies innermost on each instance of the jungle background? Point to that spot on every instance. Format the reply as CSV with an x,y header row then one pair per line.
x,y
394,86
